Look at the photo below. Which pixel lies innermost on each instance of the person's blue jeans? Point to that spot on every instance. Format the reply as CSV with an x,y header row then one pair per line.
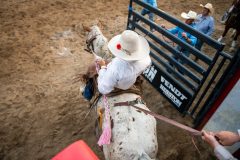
x,y
150,15
198,46
183,51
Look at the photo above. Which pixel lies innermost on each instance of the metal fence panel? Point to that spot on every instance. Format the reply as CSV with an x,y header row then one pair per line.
x,y
181,89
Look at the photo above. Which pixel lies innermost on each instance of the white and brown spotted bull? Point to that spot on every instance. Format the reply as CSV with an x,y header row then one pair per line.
x,y
134,134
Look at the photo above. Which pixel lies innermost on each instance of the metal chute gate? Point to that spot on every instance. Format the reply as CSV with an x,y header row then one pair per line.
x,y
186,91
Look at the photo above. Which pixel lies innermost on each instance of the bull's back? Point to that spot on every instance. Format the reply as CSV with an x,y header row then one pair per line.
x,y
133,132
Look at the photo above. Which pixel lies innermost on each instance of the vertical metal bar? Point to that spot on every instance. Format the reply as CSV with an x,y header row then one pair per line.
x,y
233,67
208,86
129,14
204,78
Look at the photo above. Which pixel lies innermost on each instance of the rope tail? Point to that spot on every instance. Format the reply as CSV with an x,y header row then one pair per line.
x,y
105,138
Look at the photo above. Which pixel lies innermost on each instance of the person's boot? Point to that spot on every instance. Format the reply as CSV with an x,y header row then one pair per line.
x,y
233,46
220,39
152,30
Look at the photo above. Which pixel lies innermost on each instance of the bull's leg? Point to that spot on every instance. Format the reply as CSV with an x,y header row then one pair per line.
x,y
224,34
236,35
220,39
234,32
234,42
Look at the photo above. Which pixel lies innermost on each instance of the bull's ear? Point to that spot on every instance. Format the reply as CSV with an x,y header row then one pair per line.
x,y
101,24
86,28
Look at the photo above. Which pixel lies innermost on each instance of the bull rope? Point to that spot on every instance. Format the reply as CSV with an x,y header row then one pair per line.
x,y
191,131
106,135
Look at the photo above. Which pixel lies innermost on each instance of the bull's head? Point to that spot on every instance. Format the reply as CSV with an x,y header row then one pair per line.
x,y
97,42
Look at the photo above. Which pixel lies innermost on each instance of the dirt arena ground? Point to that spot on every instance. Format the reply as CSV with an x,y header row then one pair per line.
x,y
42,49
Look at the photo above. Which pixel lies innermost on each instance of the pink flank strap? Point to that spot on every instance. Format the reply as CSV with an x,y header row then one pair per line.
x,y
105,138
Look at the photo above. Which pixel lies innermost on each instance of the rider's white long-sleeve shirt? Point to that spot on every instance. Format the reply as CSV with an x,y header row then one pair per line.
x,y
120,74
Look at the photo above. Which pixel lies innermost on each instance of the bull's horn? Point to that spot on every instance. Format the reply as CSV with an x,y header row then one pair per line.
x,y
101,24
85,28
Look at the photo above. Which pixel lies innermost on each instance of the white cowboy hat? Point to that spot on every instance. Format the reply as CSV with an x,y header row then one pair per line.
x,y
129,46
209,7
189,15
